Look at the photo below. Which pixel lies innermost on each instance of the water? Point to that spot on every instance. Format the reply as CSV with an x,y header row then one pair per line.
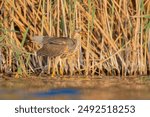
x,y
75,88
70,92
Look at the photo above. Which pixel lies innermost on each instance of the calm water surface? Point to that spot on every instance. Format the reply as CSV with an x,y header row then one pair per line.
x,y
75,88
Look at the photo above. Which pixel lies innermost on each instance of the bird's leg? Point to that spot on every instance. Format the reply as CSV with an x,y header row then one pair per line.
x,y
49,64
61,67
53,67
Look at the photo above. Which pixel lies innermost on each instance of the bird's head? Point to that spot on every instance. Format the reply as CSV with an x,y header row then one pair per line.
x,y
77,33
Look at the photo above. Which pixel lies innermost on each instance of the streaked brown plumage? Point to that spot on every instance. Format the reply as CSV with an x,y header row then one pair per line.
x,y
57,46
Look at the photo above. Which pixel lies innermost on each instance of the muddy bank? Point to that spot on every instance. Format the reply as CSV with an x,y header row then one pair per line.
x,y
75,88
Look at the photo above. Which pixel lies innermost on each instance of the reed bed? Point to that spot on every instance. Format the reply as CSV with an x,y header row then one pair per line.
x,y
115,37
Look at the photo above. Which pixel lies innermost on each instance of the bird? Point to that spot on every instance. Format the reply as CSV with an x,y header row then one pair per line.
x,y
57,46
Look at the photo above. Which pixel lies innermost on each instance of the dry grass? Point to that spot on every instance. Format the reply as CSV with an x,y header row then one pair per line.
x,y
115,38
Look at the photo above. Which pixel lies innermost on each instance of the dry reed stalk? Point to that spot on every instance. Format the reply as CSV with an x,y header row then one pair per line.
x,y
115,39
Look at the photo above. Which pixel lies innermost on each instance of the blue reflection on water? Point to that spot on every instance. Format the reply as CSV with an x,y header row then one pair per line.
x,y
55,92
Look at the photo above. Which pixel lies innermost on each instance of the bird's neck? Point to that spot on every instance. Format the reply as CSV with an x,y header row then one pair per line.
x,y
76,35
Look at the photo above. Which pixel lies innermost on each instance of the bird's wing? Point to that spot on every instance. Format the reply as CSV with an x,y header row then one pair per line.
x,y
55,40
52,50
